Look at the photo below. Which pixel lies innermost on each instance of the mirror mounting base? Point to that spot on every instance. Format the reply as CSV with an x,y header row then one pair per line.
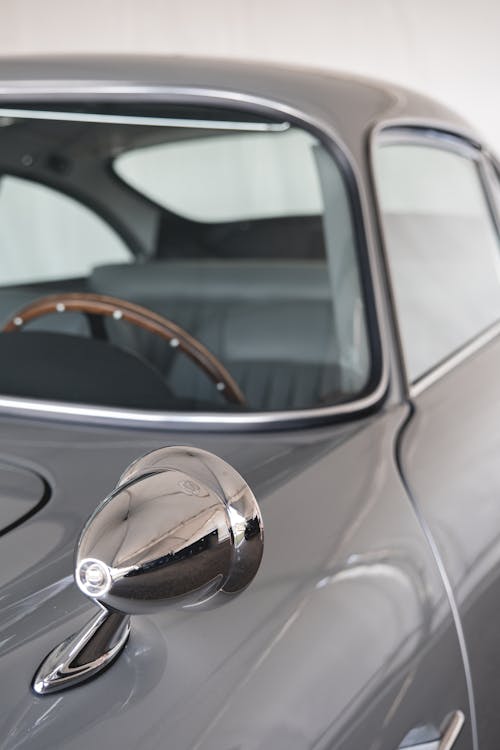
x,y
84,654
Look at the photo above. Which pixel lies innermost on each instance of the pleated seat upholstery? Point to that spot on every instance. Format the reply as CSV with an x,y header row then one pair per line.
x,y
269,322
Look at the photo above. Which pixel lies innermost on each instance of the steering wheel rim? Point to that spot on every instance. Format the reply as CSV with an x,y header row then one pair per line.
x,y
120,309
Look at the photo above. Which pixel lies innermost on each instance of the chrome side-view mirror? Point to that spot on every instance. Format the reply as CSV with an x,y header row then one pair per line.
x,y
181,528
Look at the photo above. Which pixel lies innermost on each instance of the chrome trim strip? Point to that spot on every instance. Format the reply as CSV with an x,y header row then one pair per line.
x,y
420,385
168,122
181,420
31,91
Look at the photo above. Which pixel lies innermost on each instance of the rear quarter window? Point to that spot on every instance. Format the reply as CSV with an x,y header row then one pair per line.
x,y
442,248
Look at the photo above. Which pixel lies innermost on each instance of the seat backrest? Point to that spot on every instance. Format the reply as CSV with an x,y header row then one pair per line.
x,y
269,322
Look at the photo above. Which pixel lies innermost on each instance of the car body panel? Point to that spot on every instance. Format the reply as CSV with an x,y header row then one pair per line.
x,y
345,624
22,493
449,454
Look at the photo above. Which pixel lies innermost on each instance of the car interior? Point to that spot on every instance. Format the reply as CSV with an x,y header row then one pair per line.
x,y
249,263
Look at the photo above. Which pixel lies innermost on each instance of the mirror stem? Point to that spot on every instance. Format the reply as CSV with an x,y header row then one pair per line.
x,y
84,654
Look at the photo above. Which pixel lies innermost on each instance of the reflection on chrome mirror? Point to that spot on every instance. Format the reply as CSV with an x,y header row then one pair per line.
x,y
182,528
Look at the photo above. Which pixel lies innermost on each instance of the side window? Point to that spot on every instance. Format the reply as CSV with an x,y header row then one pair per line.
x,y
45,234
442,247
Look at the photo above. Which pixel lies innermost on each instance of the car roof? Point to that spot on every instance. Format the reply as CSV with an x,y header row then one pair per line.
x,y
348,104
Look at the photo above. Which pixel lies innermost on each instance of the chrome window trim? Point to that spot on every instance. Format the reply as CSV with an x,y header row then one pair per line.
x,y
66,412
31,92
455,359
491,178
438,135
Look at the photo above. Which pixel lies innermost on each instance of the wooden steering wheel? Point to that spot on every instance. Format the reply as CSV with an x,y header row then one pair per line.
x,y
119,309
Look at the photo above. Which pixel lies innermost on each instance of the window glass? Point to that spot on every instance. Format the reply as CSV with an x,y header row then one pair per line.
x,y
442,249
274,294
45,234
227,177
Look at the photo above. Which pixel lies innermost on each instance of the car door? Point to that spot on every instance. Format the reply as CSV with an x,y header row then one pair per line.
x,y
442,251
345,638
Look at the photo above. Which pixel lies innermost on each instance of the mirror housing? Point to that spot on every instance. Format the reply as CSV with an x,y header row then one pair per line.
x,y
182,528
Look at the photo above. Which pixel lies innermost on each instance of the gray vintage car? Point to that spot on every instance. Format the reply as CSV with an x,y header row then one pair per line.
x,y
257,310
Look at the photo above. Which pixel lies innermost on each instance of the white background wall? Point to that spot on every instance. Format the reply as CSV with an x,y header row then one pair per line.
x,y
447,48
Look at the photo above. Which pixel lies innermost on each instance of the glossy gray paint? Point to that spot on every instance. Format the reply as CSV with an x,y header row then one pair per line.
x,y
23,493
450,455
346,637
